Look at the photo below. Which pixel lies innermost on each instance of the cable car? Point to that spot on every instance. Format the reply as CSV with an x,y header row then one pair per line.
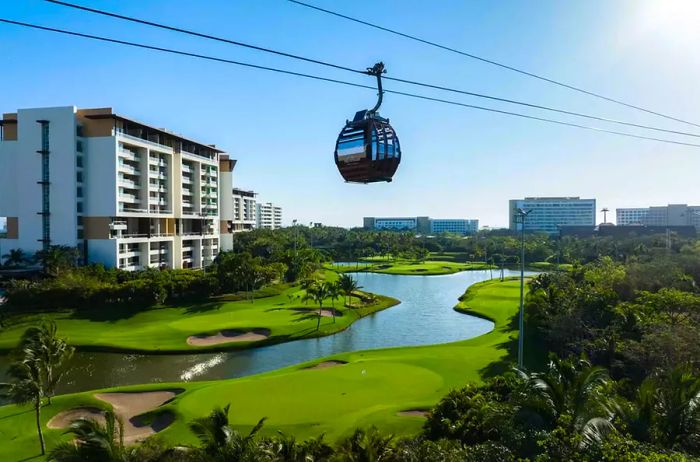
x,y
368,149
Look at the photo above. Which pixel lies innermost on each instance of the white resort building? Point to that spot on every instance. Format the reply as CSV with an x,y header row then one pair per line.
x,y
268,216
129,195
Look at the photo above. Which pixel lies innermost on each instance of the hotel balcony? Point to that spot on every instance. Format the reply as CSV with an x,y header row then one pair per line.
x,y
128,155
130,169
129,184
129,198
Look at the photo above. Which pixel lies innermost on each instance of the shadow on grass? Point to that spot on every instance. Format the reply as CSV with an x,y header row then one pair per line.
x,y
535,354
203,307
120,312
15,414
110,313
36,457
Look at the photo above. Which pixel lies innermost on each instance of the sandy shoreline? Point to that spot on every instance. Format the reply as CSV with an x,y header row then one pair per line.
x,y
228,336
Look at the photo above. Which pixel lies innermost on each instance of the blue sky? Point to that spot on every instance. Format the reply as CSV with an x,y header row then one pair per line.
x,y
456,162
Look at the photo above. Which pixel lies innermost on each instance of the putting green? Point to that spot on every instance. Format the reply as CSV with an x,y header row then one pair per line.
x,y
372,388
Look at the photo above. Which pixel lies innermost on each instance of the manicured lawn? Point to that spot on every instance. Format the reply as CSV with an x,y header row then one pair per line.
x,y
370,389
549,266
167,329
411,267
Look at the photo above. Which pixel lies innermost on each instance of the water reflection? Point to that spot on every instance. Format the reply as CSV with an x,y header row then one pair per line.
x,y
425,316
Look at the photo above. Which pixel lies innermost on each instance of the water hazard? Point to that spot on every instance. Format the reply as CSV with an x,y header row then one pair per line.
x,y
425,316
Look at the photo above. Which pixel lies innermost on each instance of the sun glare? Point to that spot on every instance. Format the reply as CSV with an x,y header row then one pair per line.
x,y
676,21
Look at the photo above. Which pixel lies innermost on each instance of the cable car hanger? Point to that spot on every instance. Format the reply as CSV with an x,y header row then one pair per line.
x,y
377,70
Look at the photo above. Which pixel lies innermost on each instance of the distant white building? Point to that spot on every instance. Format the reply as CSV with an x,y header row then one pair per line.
x,y
667,215
244,210
422,225
547,214
268,216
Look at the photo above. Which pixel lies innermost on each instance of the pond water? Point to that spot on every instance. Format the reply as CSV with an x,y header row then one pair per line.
x,y
425,316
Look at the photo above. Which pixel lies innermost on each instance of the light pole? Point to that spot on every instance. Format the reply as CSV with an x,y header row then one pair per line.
x,y
522,214
294,224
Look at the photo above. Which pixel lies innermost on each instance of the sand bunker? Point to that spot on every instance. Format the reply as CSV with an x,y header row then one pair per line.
x,y
65,418
327,364
228,336
326,313
414,413
130,406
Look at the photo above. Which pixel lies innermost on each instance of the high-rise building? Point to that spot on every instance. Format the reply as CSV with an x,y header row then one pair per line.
x,y
547,214
244,210
669,215
422,225
128,194
268,215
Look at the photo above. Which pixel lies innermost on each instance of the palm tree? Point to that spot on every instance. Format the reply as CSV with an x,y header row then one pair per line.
x,y
285,448
15,258
640,414
25,387
348,285
49,352
678,401
570,394
220,442
93,441
57,258
318,292
365,446
334,294
306,285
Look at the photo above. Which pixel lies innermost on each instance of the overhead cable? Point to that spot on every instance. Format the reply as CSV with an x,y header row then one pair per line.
x,y
331,80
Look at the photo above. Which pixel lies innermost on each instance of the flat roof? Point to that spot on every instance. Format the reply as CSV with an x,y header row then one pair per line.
x,y
107,113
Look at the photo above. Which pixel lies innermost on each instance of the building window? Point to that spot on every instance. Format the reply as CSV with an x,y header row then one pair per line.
x,y
80,191
79,130
80,233
79,146
79,161
79,207
80,221
79,177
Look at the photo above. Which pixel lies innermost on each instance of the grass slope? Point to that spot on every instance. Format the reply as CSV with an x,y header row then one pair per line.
x,y
370,390
166,329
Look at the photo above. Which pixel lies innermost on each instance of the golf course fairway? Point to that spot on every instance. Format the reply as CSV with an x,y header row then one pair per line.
x,y
354,389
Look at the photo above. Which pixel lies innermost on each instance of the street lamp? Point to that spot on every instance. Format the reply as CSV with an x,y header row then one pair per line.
x,y
520,215
294,224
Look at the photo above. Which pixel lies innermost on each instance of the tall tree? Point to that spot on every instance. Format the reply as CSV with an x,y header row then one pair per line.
x,y
318,292
348,285
42,346
58,258
25,387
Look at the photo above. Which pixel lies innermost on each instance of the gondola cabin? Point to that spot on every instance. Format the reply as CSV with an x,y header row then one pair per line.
x,y
367,150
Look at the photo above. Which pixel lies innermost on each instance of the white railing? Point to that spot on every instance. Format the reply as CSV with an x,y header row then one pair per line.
x,y
141,140
129,169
